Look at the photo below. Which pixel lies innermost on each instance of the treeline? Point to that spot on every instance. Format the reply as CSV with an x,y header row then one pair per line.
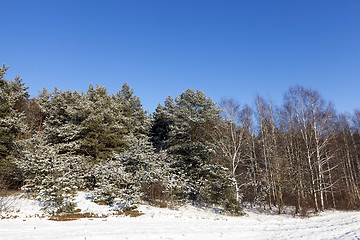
x,y
300,154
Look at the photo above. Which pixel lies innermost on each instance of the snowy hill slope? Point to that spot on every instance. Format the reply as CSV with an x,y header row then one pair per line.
x,y
185,223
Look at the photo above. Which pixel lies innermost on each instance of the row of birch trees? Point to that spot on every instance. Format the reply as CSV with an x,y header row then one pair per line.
x,y
301,154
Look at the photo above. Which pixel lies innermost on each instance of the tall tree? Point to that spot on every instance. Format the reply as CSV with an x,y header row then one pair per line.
x,y
230,142
314,119
271,153
12,127
182,128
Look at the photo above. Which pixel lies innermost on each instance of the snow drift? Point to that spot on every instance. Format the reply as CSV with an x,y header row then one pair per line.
x,y
25,221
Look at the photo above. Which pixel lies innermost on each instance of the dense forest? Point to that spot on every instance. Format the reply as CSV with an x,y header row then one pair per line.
x,y
190,150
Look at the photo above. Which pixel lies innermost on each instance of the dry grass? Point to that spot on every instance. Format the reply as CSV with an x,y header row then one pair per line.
x,y
102,203
75,216
7,199
132,213
78,215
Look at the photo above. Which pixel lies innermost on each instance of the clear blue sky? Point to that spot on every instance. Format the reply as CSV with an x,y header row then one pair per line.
x,y
160,48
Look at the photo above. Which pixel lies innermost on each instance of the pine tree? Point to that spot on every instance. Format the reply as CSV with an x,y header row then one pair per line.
x,y
12,127
134,119
182,128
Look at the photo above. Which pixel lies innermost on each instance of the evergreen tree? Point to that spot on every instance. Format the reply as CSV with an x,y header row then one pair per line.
x,y
102,131
182,128
12,127
64,113
133,117
11,124
50,177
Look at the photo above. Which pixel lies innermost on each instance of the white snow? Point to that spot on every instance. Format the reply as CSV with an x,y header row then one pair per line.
x,y
184,223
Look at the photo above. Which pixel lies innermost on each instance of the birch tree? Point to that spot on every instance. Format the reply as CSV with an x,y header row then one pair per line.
x,y
270,152
230,139
313,118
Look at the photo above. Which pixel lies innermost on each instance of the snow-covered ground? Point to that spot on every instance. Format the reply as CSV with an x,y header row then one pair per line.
x,y
23,222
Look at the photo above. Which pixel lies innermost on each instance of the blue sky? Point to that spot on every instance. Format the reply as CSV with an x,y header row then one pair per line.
x,y
160,48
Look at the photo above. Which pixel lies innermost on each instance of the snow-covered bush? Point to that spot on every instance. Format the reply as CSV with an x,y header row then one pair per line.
x,y
159,183
56,194
50,177
114,186
152,170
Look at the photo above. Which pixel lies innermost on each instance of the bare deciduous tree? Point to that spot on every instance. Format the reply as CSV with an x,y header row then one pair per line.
x,y
314,119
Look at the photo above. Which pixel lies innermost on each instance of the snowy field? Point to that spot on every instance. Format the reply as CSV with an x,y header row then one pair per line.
x,y
23,222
